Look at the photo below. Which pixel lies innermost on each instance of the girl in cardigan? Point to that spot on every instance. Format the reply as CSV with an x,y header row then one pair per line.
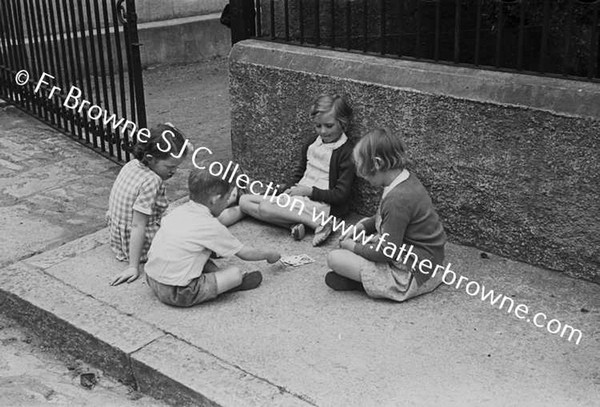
x,y
322,180
404,259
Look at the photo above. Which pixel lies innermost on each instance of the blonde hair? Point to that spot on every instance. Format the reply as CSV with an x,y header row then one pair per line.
x,y
379,151
326,103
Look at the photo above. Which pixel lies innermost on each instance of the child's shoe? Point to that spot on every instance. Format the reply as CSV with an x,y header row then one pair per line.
x,y
341,283
298,231
321,234
249,282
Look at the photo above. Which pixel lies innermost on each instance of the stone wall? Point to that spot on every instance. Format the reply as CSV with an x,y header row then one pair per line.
x,y
511,161
155,10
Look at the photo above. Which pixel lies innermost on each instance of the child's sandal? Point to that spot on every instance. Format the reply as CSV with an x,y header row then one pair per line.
x,y
341,283
298,231
321,234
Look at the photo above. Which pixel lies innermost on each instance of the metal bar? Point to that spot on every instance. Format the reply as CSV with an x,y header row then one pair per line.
x,y
128,42
98,100
21,50
301,19
521,37
14,61
136,62
317,24
35,108
104,104
436,51
568,34
5,80
272,22
8,71
43,61
286,20
119,141
52,65
383,30
111,75
348,24
258,19
68,73
365,26
58,107
593,68
418,31
457,15
81,123
87,77
545,29
477,33
332,7
499,33
400,27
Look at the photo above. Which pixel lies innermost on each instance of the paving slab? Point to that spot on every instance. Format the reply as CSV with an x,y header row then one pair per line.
x,y
72,321
330,349
52,190
189,375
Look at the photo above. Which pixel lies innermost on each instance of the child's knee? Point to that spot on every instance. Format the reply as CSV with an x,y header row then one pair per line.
x,y
245,201
335,258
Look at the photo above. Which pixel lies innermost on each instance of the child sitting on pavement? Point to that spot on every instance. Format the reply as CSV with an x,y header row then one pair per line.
x,y
323,177
179,269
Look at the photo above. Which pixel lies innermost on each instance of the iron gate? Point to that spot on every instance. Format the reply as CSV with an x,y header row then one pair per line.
x,y
75,64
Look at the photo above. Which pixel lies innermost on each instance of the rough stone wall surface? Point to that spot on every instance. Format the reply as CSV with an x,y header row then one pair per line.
x,y
514,181
155,10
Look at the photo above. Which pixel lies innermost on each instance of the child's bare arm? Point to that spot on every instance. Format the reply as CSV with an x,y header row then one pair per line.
x,y
253,254
136,244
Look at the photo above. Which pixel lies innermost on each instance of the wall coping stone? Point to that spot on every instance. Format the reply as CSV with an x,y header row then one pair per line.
x,y
555,95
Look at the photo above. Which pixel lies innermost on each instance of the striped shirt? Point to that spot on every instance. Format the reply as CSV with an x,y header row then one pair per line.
x,y
138,188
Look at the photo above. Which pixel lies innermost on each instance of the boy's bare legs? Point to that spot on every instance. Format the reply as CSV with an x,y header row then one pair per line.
x,y
232,279
345,263
228,278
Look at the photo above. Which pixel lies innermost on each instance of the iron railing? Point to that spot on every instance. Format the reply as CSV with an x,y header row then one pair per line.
x,y
54,50
550,37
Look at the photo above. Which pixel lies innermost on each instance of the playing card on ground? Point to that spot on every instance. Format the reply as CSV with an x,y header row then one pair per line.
x,y
297,260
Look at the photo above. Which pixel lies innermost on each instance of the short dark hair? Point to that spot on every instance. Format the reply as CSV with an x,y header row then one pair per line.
x,y
203,185
165,141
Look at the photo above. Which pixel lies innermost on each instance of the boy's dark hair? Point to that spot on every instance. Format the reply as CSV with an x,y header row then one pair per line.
x,y
165,141
202,185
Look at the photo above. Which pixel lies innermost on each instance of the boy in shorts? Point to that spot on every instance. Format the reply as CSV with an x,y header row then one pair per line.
x,y
179,269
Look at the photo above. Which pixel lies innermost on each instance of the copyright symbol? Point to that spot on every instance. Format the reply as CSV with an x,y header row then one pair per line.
x,y
22,77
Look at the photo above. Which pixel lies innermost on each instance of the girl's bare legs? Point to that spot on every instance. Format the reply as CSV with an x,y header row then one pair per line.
x,y
345,263
249,205
260,208
231,215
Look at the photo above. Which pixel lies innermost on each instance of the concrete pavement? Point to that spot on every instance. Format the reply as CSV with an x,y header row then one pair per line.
x,y
292,341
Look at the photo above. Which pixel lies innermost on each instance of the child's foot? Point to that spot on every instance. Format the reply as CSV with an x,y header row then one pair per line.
x,y
321,234
298,231
341,283
249,282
